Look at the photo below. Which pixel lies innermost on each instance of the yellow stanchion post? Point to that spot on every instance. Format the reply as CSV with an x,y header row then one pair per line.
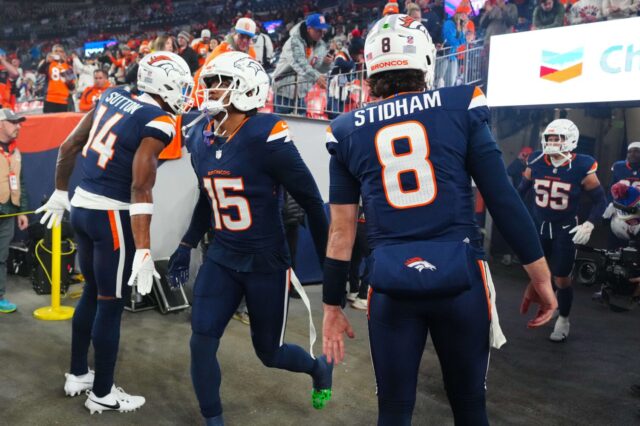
x,y
55,312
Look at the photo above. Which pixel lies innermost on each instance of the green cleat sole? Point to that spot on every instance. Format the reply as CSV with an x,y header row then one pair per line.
x,y
319,398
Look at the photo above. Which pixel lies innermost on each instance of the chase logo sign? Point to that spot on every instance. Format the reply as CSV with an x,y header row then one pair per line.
x,y
560,67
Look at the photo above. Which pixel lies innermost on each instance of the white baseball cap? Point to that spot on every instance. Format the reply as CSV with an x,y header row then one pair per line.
x,y
633,145
246,26
205,34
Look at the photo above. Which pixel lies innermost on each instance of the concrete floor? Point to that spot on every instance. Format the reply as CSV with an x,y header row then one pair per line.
x,y
531,380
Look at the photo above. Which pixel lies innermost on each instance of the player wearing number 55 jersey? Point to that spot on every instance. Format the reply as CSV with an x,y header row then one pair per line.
x,y
558,178
111,213
411,156
242,160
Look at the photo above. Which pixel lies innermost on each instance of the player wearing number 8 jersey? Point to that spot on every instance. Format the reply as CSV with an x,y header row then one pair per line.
x,y
411,157
111,214
559,177
243,160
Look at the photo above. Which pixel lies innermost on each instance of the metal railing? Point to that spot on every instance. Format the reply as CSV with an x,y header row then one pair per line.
x,y
346,92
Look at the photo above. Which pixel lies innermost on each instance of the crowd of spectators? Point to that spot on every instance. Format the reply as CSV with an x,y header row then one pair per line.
x,y
195,28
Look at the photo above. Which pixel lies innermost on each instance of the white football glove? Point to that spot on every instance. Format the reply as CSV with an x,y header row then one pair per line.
x,y
54,208
609,211
143,271
583,233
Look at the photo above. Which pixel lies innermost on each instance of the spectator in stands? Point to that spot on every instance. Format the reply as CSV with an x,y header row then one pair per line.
x,y
303,62
201,46
263,47
585,11
186,52
91,94
13,195
340,79
213,43
454,35
7,74
239,39
617,9
548,14
391,8
165,42
60,80
83,71
433,20
499,18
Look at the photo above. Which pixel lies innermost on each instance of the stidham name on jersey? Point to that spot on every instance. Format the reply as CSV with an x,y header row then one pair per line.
x,y
122,103
388,110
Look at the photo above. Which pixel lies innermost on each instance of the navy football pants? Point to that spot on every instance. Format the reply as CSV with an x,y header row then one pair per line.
x,y
459,328
105,254
216,294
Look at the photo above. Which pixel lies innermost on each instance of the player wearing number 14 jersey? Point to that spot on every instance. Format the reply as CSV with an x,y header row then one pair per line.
x,y
411,156
111,213
559,177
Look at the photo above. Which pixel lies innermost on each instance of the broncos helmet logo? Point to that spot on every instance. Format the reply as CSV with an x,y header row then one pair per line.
x,y
248,63
165,63
412,24
419,263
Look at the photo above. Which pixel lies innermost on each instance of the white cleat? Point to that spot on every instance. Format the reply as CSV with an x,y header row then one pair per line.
x,y
360,304
351,297
117,400
560,330
75,385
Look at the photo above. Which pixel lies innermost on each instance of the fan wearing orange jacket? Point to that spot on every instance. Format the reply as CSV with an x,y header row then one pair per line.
x,y
92,93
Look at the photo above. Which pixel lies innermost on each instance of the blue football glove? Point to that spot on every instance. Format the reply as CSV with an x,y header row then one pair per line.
x,y
178,272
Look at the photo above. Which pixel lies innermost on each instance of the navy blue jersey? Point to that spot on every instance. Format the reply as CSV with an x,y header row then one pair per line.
x,y
120,123
409,154
623,172
558,189
241,177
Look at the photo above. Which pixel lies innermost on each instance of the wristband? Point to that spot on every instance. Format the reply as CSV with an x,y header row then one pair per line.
x,y
335,276
140,208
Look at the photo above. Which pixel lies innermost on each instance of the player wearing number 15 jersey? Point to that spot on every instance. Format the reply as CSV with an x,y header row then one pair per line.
x,y
242,161
411,156
111,213
558,178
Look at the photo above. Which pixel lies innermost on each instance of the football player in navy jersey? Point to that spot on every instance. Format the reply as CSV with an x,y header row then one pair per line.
x,y
243,160
411,156
558,178
626,172
119,141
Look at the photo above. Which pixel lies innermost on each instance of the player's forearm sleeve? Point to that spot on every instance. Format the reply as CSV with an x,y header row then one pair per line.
x,y
287,167
524,187
200,221
507,209
599,204
343,188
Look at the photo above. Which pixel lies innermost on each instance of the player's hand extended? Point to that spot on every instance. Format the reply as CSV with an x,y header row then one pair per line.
x,y
143,271
54,208
334,325
540,293
178,272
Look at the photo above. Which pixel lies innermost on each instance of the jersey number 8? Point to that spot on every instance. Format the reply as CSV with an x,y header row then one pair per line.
x,y
415,161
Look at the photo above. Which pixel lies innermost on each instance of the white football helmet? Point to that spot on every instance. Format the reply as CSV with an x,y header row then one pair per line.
x,y
167,75
399,42
567,133
242,81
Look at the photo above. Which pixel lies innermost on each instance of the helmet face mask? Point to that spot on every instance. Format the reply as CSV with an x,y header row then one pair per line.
x,y
232,78
167,75
560,137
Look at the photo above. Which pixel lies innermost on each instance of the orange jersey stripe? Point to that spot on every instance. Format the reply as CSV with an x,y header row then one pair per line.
x,y
114,229
486,286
